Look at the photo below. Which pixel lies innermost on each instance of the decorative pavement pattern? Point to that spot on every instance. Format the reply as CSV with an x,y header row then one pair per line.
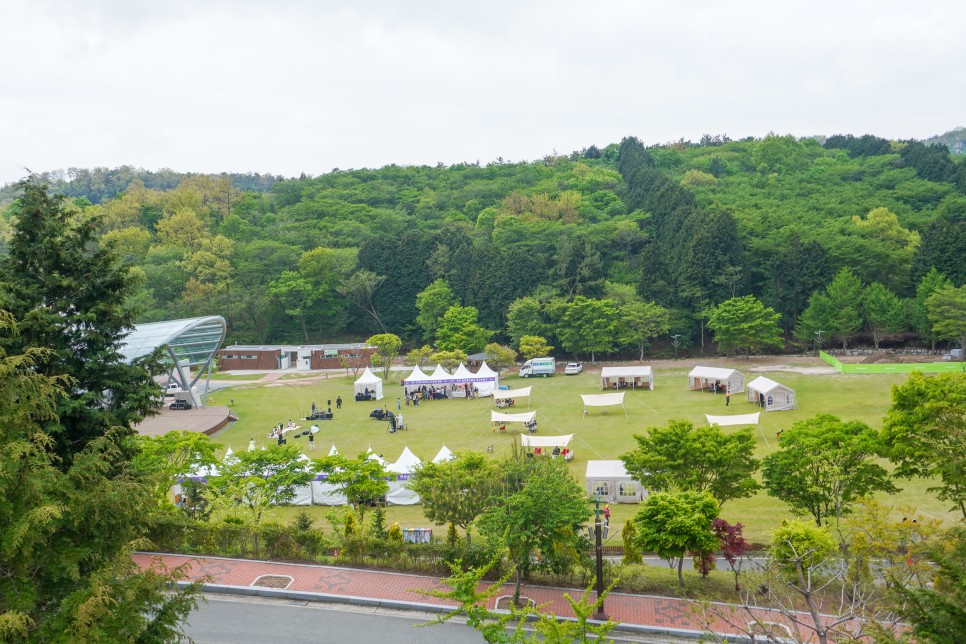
x,y
640,610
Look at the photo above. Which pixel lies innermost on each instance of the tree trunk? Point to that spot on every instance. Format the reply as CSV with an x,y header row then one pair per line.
x,y
516,591
680,570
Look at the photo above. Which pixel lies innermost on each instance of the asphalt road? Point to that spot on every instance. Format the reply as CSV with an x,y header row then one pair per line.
x,y
243,620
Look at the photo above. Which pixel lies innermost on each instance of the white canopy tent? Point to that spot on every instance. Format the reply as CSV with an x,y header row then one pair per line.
x,y
417,377
636,377
399,492
303,493
486,380
603,400
611,480
333,451
546,441
716,379
512,394
444,455
499,417
440,376
325,493
737,419
770,395
368,382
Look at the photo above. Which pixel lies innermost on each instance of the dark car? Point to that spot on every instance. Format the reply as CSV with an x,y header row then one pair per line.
x,y
180,404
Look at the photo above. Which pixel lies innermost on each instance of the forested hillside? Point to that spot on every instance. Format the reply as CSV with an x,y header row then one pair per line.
x,y
577,248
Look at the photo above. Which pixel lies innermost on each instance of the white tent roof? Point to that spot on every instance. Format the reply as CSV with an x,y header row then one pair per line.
x,y
367,378
606,470
440,374
485,372
546,441
742,419
372,456
228,454
406,463
333,451
512,393
462,372
416,376
626,372
602,400
497,417
764,385
718,373
444,455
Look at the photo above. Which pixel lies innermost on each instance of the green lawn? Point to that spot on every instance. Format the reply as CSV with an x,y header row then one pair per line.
x,y
464,425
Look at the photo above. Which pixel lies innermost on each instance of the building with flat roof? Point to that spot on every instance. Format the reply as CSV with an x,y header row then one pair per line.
x,y
300,357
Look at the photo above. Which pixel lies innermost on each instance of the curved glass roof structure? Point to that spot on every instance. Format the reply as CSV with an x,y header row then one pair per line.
x,y
189,344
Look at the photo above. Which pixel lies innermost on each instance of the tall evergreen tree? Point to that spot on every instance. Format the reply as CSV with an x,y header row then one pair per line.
x,y
69,293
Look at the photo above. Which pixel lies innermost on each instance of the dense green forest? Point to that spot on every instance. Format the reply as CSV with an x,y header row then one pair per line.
x,y
557,248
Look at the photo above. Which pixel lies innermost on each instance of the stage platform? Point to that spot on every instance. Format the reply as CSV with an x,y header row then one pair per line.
x,y
207,420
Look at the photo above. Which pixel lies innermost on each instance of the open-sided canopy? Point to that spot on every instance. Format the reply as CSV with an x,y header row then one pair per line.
x,y
740,419
602,400
498,417
524,392
546,441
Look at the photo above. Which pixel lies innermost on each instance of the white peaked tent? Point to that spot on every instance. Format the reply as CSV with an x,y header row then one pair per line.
x,y
709,377
368,381
333,451
303,494
417,377
399,492
603,400
440,376
460,378
487,380
612,481
636,377
770,395
372,456
444,455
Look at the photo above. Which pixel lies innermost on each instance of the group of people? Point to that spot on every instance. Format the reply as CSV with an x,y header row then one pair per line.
x,y
531,425
503,403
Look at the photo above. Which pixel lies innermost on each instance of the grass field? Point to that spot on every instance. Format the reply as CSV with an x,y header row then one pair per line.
x,y
464,425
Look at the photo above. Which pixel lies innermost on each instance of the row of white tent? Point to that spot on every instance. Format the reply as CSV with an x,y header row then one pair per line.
x,y
321,492
770,395
485,380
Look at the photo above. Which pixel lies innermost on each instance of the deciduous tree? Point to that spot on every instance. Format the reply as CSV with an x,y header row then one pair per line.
x,y
681,457
674,524
534,346
432,303
823,465
387,347
460,329
457,491
744,322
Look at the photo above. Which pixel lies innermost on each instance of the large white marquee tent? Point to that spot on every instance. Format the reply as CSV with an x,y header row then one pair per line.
x,y
770,395
716,377
485,380
635,377
611,480
399,492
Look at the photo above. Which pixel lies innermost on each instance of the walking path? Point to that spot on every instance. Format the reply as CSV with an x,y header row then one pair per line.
x,y
657,615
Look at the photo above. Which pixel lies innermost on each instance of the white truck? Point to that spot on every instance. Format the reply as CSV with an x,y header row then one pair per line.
x,y
538,367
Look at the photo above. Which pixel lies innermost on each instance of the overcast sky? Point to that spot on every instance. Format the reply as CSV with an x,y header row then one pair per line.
x,y
288,87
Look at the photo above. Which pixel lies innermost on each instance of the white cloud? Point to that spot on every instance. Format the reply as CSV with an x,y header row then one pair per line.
x,y
305,86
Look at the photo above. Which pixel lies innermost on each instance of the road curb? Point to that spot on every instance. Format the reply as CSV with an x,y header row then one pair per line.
x,y
371,602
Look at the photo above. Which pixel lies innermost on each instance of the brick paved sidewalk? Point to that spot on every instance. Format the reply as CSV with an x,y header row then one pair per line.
x,y
658,613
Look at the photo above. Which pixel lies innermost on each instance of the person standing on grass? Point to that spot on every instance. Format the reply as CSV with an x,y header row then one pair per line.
x,y
338,402
727,398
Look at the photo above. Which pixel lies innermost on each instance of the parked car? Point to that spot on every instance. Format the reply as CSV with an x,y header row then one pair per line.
x,y
171,389
180,404
573,368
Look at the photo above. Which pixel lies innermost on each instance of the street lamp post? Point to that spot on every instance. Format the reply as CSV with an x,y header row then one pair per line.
x,y
818,340
675,342
600,614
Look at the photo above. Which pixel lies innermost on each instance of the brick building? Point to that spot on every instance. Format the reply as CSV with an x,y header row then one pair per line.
x,y
301,357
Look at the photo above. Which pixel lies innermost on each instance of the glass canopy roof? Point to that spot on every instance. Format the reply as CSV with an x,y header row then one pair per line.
x,y
192,341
